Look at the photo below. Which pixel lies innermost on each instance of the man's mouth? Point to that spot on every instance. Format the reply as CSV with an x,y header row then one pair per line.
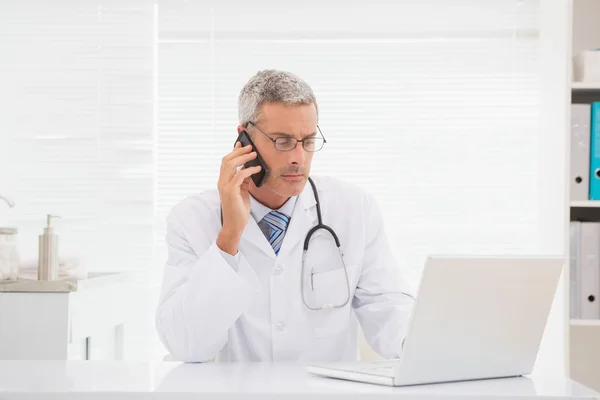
x,y
292,177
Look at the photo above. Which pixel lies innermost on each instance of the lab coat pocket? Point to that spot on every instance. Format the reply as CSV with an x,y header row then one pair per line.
x,y
330,288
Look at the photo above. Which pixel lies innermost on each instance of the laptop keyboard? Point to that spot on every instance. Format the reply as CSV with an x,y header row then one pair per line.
x,y
379,368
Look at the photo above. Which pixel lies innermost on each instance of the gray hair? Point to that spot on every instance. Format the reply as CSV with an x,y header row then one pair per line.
x,y
272,86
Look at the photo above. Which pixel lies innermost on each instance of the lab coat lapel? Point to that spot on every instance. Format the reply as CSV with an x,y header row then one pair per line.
x,y
303,218
253,235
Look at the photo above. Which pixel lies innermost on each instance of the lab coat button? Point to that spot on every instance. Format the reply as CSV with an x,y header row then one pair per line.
x,y
277,271
280,325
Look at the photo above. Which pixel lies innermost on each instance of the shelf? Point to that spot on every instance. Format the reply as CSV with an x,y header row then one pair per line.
x,y
588,210
586,204
585,322
585,86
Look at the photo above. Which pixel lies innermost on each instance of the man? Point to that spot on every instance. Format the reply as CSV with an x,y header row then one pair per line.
x,y
238,290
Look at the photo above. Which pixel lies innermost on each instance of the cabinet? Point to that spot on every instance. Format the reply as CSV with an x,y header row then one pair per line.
x,y
85,320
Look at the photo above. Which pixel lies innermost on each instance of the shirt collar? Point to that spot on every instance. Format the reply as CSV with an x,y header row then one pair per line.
x,y
259,210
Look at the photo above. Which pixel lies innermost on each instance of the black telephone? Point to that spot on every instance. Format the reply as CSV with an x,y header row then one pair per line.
x,y
261,176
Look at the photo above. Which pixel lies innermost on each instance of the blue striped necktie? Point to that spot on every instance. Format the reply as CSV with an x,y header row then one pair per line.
x,y
278,223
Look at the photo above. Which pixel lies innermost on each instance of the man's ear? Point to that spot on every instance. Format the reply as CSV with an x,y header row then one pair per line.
x,y
241,128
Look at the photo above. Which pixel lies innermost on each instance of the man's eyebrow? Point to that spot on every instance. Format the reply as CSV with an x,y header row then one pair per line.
x,y
290,135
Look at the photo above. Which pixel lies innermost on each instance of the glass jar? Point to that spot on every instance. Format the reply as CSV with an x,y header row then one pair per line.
x,y
9,254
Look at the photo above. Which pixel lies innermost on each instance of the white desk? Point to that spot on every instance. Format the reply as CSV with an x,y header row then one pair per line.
x,y
172,380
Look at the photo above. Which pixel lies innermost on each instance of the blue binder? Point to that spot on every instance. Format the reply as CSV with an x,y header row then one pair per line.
x,y
595,152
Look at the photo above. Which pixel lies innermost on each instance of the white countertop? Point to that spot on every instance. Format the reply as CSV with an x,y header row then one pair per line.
x,y
129,379
28,283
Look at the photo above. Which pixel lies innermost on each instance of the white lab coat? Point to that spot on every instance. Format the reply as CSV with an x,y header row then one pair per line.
x,y
254,312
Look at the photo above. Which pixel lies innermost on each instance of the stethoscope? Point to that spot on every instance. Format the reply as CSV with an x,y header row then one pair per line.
x,y
315,228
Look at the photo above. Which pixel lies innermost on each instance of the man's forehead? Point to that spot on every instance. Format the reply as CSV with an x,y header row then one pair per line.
x,y
286,112
288,120
289,128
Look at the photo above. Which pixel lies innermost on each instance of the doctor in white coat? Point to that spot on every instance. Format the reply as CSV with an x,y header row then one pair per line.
x,y
238,290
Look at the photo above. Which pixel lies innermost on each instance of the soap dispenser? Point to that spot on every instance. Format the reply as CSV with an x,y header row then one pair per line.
x,y
48,252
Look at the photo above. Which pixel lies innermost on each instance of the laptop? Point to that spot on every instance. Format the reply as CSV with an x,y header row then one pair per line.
x,y
473,318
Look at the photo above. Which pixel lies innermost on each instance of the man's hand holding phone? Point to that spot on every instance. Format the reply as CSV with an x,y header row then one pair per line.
x,y
235,199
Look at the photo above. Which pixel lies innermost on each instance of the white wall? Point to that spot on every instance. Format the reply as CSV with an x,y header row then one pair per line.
x,y
586,29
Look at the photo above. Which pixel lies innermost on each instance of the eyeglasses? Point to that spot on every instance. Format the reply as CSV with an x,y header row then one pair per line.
x,y
288,143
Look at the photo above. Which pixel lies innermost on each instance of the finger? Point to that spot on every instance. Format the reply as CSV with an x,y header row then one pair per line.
x,y
241,160
236,152
245,186
230,168
243,174
226,173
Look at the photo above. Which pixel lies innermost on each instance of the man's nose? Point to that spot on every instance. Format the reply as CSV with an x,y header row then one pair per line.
x,y
297,155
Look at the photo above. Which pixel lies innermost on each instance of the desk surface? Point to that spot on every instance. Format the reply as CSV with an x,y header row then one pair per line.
x,y
129,379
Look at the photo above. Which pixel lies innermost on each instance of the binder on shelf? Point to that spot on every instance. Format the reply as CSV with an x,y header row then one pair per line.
x,y
580,151
595,152
574,268
589,273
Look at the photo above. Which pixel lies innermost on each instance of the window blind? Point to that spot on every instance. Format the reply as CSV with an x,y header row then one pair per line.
x,y
77,128
433,106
